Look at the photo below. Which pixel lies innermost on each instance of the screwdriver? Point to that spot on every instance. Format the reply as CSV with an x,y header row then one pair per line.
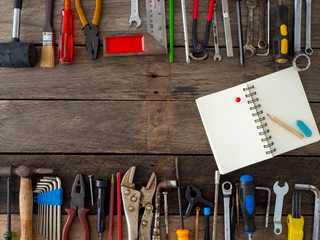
x,y
206,212
182,233
65,49
102,185
295,220
280,37
247,203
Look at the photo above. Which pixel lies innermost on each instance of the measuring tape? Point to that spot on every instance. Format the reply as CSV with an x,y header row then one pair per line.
x,y
156,20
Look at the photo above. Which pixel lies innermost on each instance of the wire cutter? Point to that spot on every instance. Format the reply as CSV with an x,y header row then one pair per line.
x,y
91,30
77,205
132,200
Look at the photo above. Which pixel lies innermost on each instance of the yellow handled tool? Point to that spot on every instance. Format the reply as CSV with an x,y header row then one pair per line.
x,y
182,233
295,227
295,221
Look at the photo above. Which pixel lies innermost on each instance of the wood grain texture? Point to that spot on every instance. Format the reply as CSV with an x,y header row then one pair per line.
x,y
198,170
142,77
261,232
115,16
157,127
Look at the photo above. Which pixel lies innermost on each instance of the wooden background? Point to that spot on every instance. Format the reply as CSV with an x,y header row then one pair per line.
x,y
102,117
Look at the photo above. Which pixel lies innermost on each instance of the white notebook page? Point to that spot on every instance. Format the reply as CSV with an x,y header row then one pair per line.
x,y
230,127
282,95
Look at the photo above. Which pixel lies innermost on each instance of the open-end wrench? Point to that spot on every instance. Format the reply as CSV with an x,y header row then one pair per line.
x,y
316,216
216,55
251,5
227,27
227,191
134,17
280,193
262,43
308,49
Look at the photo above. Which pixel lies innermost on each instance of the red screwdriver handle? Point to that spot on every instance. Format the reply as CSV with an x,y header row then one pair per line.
x,y
65,49
82,213
71,216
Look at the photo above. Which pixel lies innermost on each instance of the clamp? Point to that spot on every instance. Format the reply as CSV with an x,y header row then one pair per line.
x,y
133,200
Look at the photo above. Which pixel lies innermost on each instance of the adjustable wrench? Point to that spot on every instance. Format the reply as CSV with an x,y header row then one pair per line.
x,y
251,5
216,55
308,48
280,193
227,27
227,191
134,17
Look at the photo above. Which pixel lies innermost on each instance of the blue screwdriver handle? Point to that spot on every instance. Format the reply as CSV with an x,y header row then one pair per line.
x,y
247,200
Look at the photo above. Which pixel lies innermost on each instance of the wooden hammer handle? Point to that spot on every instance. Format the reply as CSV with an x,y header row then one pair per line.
x,y
26,208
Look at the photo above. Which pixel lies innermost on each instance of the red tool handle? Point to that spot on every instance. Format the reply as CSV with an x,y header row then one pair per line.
x,y
71,216
82,213
65,49
210,12
195,9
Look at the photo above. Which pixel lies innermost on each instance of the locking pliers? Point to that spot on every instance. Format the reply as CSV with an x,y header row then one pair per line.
x,y
133,200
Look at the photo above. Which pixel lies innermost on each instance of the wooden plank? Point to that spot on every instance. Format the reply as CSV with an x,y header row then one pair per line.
x,y
115,15
76,230
198,170
165,127
142,78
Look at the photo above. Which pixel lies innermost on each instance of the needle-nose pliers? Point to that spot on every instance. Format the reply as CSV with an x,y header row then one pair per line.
x,y
91,30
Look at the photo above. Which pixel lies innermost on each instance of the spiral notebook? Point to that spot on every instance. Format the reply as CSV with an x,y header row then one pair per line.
x,y
239,131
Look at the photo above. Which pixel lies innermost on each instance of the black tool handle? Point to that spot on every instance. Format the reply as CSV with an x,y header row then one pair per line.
x,y
247,200
102,185
48,19
280,37
207,222
17,4
232,219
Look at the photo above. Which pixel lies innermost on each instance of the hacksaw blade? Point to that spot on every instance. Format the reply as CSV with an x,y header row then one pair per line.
x,y
156,20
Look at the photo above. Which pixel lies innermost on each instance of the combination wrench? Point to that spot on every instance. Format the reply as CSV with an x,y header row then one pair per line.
x,y
251,5
280,193
134,17
227,191
262,43
308,49
297,36
216,55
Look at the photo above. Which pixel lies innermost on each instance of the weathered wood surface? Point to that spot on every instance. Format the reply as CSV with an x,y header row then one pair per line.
x,y
158,127
201,168
115,16
142,78
104,116
262,233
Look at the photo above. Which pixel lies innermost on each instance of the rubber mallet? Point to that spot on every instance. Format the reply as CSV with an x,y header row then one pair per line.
x,y
15,53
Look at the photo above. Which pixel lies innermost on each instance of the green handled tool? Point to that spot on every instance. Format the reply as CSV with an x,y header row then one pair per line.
x,y
171,54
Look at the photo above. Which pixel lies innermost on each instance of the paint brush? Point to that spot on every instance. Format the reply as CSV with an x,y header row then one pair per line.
x,y
47,52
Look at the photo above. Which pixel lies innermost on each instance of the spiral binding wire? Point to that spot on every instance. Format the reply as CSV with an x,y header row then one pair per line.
x,y
259,119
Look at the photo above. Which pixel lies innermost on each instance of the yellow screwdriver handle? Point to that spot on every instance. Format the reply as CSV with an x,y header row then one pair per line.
x,y
295,227
182,234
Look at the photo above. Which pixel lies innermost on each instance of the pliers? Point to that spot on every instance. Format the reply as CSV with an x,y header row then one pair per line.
x,y
77,205
132,200
91,30
199,49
